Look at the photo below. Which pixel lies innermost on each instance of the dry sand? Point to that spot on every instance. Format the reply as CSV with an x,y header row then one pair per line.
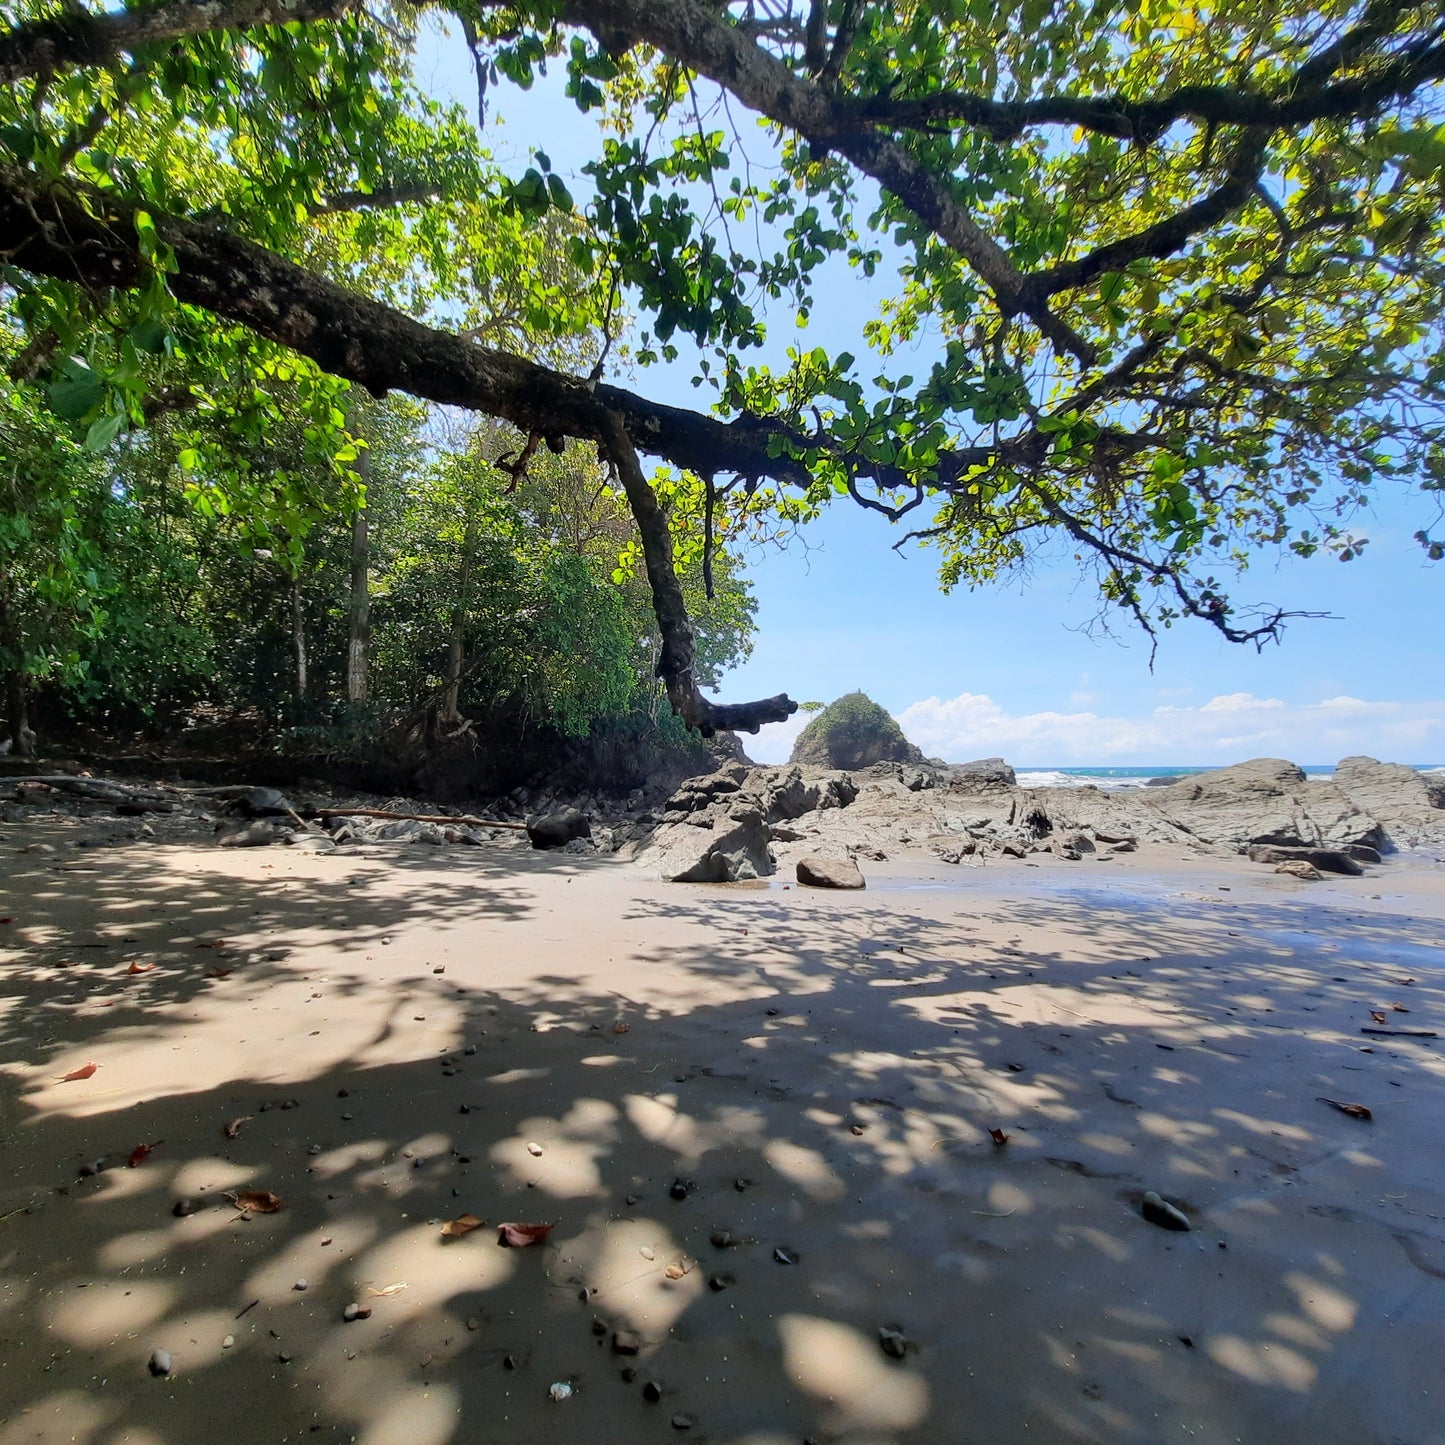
x,y
822,1071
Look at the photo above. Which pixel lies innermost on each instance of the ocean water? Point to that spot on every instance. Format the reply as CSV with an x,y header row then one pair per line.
x,y
1120,779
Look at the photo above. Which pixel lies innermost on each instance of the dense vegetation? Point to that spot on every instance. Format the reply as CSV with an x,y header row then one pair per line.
x,y
1169,278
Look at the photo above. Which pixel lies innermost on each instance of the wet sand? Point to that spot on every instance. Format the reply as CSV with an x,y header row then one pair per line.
x,y
817,1073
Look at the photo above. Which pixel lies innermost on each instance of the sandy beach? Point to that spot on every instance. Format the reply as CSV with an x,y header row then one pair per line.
x,y
417,1034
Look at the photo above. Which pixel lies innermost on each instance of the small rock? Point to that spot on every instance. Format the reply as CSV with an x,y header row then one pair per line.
x,y
624,1342
630,1200
301,1285
473,1323
91,1168
1158,1210
892,1341
742,1184
283,1358
534,1149
470,1049
183,1207
228,1342
1299,868
559,1391
160,1362
651,1391
829,873
647,1252
314,1150
720,1239
681,1188
719,1282
683,1422
348,1117
785,1256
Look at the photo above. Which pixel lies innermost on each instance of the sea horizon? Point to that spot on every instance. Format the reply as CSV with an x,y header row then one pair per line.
x,y
1120,776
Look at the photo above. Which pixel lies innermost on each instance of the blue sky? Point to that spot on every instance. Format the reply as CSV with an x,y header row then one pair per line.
x,y
1011,670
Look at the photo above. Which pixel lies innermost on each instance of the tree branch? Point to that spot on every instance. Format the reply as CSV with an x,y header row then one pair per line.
x,y
676,666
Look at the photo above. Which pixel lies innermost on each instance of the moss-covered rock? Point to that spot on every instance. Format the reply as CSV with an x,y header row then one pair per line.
x,y
853,732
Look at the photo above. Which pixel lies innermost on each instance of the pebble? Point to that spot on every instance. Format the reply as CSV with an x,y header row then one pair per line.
x,y
301,1284
92,1168
534,1149
473,1323
228,1342
720,1239
683,1422
343,1093
892,1342
182,1207
785,1256
647,1252
681,1188
354,1312
348,1117
470,1049
160,1362
651,1392
624,1342
314,1150
561,1390
1158,1210
464,1109
719,1282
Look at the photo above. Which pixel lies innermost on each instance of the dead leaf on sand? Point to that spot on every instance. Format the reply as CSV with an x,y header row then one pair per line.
x,y
256,1201
1399,1008
998,1136
462,1225
1378,1015
140,968
141,1153
519,1236
620,1028
1355,1111
678,1270
219,972
83,1072
232,1127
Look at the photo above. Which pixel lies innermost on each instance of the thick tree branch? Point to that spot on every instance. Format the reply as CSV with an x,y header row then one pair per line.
x,y
677,664
80,38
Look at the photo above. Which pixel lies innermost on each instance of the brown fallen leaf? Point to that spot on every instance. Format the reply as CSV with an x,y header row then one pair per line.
x,y
1378,1015
678,1270
463,1224
141,1153
83,1072
256,1201
1399,1008
621,1028
140,968
1355,1111
998,1136
519,1236
232,1127
219,972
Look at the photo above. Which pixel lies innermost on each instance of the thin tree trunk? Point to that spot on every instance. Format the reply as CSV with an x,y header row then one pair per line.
x,y
15,719
456,654
359,644
298,636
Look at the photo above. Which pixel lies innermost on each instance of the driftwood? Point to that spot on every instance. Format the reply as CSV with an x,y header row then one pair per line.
x,y
1401,1033
442,818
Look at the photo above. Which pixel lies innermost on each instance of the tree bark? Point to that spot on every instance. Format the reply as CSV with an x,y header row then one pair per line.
x,y
15,695
359,631
298,637
451,713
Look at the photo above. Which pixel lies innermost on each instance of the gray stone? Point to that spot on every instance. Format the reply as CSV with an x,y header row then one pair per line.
x,y
1327,860
258,834
1300,868
735,847
1409,805
815,872
556,829
982,773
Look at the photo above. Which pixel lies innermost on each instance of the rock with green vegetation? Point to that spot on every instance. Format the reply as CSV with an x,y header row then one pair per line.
x,y
853,732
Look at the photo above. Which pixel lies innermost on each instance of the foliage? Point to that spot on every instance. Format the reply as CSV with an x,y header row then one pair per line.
x,y
853,731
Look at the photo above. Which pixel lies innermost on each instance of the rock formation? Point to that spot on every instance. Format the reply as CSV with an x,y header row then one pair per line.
x,y
853,732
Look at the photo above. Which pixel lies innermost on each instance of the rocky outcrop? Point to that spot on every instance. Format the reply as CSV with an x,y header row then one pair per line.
x,y
1327,860
1409,806
853,732
1265,800
815,872
557,829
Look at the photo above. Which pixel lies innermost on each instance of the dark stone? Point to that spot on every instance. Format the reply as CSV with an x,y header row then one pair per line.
x,y
557,829
1327,860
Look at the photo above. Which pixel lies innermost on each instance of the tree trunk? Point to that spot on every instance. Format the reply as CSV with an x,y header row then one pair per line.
x,y
298,636
451,713
15,698
359,634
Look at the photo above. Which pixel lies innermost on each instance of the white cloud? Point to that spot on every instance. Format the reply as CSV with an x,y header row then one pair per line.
x,y
1225,729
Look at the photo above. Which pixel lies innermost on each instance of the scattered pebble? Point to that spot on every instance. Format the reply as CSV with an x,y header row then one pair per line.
x,y
348,1117
91,1168
624,1342
683,1422
228,1342
314,1150
681,1188
470,1049
300,1285
647,1252
534,1149
892,1341
720,1239
473,1323
1158,1210
160,1362
561,1390
651,1392
785,1256
183,1207
719,1282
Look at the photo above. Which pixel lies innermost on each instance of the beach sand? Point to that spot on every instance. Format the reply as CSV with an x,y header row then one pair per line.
x,y
817,1072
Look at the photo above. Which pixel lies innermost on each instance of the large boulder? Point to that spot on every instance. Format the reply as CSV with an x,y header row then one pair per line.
x,y
1265,800
817,872
1326,860
854,732
1409,805
982,773
557,829
728,845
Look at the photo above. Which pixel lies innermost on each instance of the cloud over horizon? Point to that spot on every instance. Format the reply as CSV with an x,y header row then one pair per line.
x,y
1226,729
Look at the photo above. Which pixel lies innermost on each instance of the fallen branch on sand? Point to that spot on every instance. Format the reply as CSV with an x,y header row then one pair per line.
x,y
441,818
